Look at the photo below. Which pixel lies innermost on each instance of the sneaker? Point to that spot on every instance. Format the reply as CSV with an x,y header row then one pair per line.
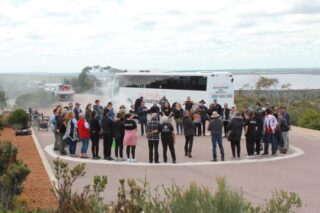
x,y
233,158
190,156
133,160
129,160
222,159
214,160
174,161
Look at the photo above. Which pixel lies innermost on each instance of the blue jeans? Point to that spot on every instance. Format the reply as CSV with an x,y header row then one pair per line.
x,y
217,139
179,126
269,138
85,144
143,123
72,147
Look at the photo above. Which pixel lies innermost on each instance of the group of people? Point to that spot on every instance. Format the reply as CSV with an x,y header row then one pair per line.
x,y
71,125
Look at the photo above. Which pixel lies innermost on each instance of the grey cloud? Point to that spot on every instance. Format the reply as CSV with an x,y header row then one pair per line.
x,y
307,7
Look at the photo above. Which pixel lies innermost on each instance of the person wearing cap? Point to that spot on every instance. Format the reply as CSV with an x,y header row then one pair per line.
x,y
167,138
107,125
203,110
98,109
215,127
153,138
77,111
84,134
235,131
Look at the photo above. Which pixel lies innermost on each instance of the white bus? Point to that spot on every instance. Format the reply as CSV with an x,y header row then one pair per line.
x,y
176,86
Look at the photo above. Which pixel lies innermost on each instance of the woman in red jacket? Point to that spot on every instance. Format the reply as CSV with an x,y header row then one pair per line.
x,y
84,134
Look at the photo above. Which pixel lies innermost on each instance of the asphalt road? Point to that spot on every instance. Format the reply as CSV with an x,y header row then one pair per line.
x,y
257,179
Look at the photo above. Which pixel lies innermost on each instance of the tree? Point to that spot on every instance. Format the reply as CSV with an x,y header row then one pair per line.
x,y
3,100
266,83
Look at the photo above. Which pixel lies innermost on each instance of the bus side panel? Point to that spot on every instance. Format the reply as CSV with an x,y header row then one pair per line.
x,y
220,87
154,95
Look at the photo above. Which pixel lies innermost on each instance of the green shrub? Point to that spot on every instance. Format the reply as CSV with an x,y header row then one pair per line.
x,y
19,116
13,173
310,119
89,200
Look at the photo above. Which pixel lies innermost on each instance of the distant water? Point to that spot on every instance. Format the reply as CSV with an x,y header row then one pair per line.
x,y
297,81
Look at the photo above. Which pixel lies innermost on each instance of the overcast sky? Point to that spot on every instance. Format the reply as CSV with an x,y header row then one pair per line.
x,y
66,35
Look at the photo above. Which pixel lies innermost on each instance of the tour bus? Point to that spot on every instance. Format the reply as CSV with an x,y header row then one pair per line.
x,y
175,86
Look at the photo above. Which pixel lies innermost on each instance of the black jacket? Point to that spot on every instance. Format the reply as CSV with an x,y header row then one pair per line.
x,y
107,125
94,126
215,126
235,129
188,126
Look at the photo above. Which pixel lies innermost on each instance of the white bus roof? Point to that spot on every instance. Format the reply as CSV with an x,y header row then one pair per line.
x,y
175,73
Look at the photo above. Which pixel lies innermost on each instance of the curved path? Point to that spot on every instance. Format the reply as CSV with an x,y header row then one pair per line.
x,y
257,180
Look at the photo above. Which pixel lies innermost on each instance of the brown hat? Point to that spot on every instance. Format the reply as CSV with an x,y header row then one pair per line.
x,y
202,102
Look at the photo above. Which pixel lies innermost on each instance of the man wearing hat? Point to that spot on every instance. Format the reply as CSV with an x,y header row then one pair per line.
x,y
215,127
203,110
77,111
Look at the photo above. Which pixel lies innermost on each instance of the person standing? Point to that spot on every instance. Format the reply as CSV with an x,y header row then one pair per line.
x,y
189,130
84,134
110,109
166,109
142,117
53,125
216,107
250,129
226,119
203,111
235,132
269,125
71,134
155,109
177,113
284,128
107,125
215,127
130,137
188,104
98,109
88,112
163,101
197,122
259,122
137,104
95,130
77,111
61,130
167,138
153,138
118,136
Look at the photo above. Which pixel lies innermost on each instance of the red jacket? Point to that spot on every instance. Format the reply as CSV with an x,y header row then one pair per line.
x,y
83,131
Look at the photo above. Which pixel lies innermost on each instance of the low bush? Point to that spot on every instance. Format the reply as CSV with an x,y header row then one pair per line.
x,y
13,173
18,117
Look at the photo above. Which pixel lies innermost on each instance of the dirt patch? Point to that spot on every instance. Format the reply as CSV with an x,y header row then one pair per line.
x,y
37,187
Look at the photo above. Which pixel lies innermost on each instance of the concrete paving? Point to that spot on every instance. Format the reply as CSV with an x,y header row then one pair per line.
x,y
257,179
